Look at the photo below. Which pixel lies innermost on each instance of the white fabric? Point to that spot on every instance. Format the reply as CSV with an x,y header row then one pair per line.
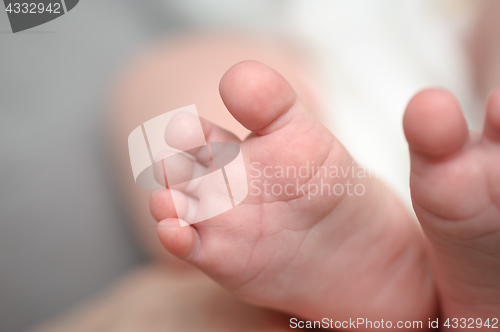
x,y
377,55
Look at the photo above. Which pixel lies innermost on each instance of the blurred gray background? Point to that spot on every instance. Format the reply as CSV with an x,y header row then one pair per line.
x,y
63,234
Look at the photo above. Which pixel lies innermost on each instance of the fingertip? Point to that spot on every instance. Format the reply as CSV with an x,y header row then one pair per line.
x,y
162,205
184,132
434,124
178,240
255,94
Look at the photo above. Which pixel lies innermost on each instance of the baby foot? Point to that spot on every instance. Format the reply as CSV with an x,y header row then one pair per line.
x,y
455,185
332,243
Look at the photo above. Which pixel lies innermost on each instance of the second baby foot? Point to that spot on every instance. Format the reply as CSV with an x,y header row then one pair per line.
x,y
455,186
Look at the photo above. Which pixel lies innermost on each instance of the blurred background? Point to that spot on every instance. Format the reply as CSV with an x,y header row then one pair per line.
x,y
65,234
